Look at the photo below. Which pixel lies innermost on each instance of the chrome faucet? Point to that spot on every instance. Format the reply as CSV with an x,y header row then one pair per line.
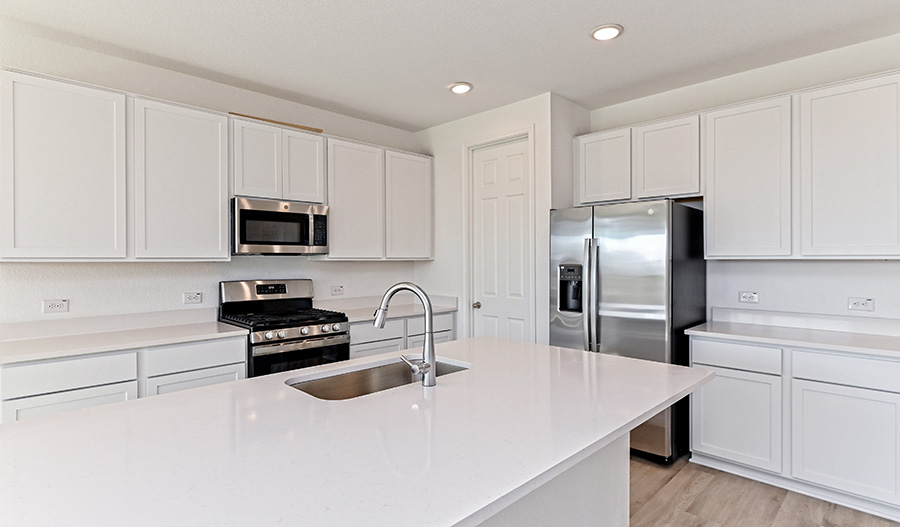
x,y
426,366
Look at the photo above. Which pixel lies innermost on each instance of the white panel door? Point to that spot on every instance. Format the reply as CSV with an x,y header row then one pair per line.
x,y
62,178
849,169
181,179
502,255
603,166
737,416
847,439
748,180
356,200
257,159
303,167
666,158
409,206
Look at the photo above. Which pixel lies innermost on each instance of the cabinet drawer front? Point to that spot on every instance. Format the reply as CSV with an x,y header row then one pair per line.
x,y
55,403
56,376
177,382
362,332
851,371
416,325
416,342
738,356
374,348
193,356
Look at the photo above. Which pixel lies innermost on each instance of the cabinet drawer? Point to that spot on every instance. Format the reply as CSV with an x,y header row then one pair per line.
x,y
55,403
374,348
177,382
738,356
416,342
362,332
416,325
193,356
35,378
851,371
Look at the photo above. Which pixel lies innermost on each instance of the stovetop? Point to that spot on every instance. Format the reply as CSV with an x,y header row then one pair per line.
x,y
283,319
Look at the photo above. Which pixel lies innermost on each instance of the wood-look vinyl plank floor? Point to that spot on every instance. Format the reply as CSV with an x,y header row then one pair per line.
x,y
689,495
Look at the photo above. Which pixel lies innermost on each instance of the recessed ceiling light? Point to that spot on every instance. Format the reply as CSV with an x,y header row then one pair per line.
x,y
607,31
460,87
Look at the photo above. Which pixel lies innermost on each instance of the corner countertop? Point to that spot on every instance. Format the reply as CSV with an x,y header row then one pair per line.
x,y
258,452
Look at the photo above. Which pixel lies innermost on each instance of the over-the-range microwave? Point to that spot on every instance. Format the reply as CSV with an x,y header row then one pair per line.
x,y
264,226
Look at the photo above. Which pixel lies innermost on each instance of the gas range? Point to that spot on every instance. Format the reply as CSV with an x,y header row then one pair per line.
x,y
286,332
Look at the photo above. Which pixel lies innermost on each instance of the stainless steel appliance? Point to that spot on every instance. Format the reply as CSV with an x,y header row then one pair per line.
x,y
263,226
628,279
286,332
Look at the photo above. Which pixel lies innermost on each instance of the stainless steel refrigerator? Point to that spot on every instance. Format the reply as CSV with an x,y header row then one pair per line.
x,y
628,279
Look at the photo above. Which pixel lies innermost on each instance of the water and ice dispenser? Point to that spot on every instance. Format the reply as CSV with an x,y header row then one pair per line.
x,y
570,288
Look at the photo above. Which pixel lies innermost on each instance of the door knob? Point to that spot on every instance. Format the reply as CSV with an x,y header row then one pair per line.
x,y
477,305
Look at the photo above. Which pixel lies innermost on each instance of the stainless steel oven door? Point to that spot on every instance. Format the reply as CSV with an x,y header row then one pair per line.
x,y
274,358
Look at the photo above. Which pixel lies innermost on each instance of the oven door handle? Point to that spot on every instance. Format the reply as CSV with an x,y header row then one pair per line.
x,y
270,349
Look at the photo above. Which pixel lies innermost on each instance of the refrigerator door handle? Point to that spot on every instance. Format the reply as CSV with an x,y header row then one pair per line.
x,y
594,272
586,310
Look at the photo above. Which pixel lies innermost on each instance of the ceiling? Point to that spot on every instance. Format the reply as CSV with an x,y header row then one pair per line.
x,y
390,61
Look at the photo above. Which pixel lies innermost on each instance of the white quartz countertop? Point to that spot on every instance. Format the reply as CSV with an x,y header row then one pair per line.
x,y
844,341
258,452
59,346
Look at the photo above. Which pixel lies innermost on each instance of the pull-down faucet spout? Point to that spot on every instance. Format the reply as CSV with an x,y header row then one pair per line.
x,y
427,365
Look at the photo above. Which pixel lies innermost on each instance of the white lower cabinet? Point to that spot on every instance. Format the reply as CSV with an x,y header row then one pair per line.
x,y
53,403
847,439
176,382
418,341
374,348
398,334
737,416
167,369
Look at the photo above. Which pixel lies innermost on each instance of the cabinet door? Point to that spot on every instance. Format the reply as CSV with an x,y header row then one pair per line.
x,y
603,166
737,416
257,159
303,167
748,180
181,178
177,382
62,178
666,158
55,403
374,348
847,439
356,200
849,169
409,206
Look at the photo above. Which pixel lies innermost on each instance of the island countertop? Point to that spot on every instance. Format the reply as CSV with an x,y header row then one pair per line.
x,y
258,452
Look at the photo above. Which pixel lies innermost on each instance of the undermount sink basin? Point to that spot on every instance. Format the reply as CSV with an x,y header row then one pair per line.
x,y
369,380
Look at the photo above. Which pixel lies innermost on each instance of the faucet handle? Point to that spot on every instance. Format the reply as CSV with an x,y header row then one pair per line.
x,y
417,366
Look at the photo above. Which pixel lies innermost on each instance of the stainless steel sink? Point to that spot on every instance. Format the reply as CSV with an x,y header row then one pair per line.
x,y
370,380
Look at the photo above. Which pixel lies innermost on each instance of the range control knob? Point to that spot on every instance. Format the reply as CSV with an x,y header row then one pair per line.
x,y
304,331
326,329
269,335
336,327
281,334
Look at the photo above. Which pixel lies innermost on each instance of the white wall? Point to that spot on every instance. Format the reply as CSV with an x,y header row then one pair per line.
x,y
446,275
567,120
102,289
798,286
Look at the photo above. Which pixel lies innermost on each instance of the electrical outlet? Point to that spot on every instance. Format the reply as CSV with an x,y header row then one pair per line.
x,y
60,305
748,297
337,290
192,298
858,303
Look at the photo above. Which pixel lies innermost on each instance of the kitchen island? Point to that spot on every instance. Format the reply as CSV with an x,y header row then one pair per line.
x,y
510,437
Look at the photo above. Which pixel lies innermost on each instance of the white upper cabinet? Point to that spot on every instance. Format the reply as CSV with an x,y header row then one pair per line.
x,y
748,180
409,210
603,166
181,178
666,158
257,159
62,170
356,198
850,174
303,167
277,163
